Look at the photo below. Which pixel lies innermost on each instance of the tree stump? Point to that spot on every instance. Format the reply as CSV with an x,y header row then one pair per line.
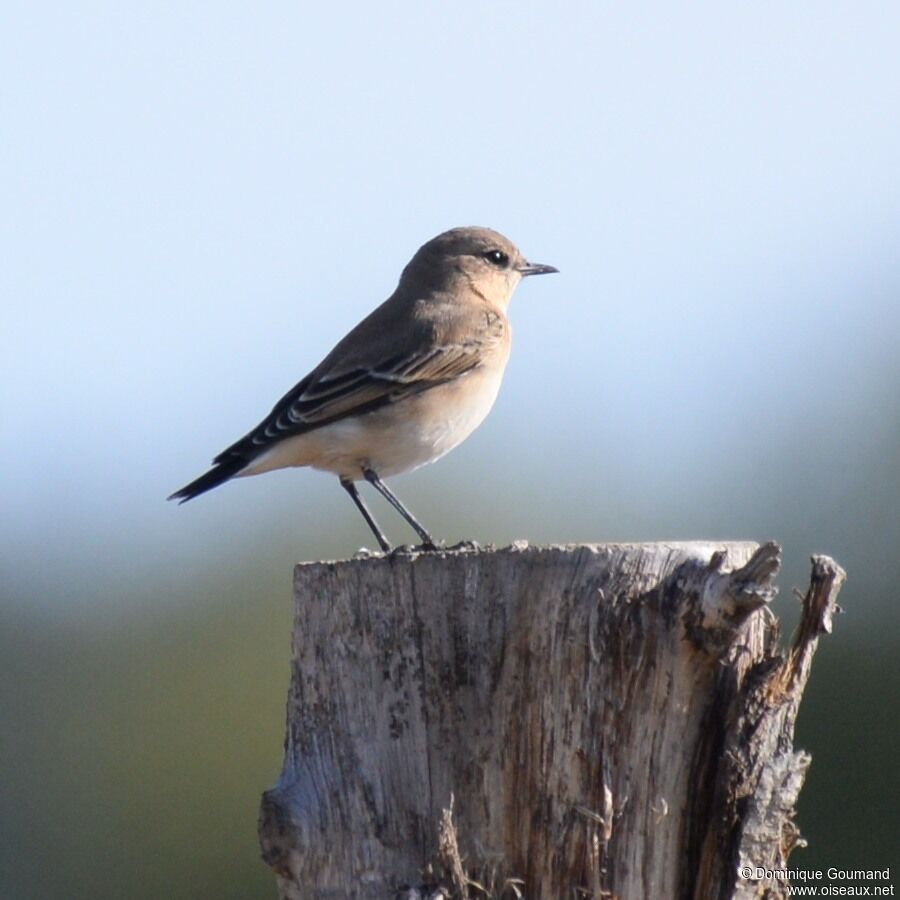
x,y
585,721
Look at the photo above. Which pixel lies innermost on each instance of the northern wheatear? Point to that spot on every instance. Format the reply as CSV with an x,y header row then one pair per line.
x,y
414,379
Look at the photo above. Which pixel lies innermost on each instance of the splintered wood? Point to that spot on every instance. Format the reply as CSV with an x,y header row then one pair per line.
x,y
589,721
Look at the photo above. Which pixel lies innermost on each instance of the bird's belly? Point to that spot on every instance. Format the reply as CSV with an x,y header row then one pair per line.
x,y
397,438
429,428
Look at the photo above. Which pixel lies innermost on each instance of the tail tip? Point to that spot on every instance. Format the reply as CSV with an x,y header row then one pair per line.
x,y
217,475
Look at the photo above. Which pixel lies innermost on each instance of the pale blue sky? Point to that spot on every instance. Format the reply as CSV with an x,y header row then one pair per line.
x,y
199,201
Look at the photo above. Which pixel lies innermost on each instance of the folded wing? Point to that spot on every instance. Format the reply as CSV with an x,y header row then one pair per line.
x,y
323,398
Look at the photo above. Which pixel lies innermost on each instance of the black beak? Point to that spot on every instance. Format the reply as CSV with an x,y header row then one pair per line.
x,y
536,269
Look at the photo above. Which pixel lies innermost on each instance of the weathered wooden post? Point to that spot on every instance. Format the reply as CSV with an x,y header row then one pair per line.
x,y
585,721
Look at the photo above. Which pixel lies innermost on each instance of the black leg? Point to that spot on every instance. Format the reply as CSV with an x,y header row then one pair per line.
x,y
350,488
372,477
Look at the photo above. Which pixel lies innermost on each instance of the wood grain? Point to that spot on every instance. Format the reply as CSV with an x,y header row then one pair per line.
x,y
603,721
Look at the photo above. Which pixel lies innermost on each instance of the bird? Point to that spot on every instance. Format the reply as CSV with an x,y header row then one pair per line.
x,y
408,384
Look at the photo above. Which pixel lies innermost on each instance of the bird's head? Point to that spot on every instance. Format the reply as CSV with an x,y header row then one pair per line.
x,y
478,259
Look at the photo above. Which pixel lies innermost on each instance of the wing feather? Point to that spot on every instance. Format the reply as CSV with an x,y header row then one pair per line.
x,y
356,391
322,398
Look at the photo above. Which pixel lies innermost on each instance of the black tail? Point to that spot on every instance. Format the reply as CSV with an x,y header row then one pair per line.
x,y
221,472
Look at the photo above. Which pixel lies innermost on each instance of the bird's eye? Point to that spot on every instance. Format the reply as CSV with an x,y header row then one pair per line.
x,y
497,258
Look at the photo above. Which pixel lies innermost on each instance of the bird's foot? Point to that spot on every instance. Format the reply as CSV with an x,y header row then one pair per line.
x,y
424,547
466,545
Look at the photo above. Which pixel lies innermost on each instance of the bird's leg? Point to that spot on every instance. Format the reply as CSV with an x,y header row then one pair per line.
x,y
372,477
348,485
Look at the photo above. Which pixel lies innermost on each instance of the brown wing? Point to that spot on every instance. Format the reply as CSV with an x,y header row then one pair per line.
x,y
444,338
333,395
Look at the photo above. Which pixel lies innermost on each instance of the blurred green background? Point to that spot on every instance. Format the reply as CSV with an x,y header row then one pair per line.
x,y
200,200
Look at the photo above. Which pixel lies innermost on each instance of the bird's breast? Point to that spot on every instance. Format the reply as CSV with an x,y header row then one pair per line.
x,y
398,437
424,427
